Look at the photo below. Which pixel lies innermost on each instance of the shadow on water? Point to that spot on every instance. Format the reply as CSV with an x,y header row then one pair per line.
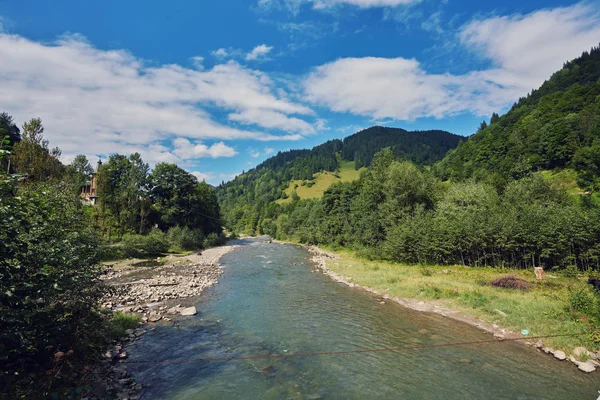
x,y
269,301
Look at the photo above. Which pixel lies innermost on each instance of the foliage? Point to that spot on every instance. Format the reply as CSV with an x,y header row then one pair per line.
x,y
179,200
122,191
185,238
586,301
510,282
49,286
153,244
32,156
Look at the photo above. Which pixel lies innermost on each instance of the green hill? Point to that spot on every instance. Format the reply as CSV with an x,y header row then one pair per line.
x,y
556,126
246,198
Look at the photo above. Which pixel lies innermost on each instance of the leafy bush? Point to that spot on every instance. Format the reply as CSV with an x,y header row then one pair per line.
x,y
585,301
49,288
153,244
213,240
510,282
185,238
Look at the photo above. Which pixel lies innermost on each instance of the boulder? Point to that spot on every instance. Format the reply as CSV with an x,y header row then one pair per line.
x,y
560,355
154,317
586,367
579,351
188,311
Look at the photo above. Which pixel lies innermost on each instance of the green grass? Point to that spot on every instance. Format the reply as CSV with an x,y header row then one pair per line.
x,y
544,310
563,179
120,322
322,182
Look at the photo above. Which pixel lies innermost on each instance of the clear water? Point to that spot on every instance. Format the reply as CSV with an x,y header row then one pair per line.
x,y
270,301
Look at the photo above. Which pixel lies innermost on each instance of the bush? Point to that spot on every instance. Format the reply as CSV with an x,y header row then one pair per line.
x,y
153,244
185,238
213,240
585,301
510,282
49,289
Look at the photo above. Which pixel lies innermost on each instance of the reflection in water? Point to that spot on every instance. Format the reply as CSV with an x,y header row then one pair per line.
x,y
269,302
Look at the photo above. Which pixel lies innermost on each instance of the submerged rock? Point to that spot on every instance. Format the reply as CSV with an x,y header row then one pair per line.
x,y
188,311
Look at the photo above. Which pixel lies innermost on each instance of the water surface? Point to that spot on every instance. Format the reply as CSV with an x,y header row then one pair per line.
x,y
271,301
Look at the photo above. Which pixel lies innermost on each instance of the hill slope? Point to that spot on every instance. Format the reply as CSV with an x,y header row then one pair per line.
x,y
553,127
269,180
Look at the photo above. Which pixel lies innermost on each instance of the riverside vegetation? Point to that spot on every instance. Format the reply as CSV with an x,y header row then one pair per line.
x,y
53,329
520,193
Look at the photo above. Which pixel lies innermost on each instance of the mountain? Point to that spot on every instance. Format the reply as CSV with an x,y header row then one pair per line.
x,y
252,190
555,126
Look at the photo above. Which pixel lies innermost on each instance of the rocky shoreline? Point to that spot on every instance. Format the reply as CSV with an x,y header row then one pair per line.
x,y
592,360
146,291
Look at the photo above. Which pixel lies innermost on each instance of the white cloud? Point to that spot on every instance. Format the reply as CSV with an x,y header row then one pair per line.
x,y
255,154
259,53
269,150
524,50
272,119
220,53
186,150
197,62
95,101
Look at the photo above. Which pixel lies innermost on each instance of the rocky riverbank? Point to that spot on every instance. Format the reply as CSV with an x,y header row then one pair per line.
x,y
147,291
585,360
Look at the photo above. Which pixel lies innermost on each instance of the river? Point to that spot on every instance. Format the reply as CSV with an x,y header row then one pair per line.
x,y
270,300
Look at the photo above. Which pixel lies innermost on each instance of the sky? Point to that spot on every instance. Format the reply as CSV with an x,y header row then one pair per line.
x,y
219,86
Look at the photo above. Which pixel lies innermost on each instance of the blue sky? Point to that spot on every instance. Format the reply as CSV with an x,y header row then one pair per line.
x,y
219,86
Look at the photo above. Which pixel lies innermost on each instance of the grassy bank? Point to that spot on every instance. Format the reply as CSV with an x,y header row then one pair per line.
x,y
553,306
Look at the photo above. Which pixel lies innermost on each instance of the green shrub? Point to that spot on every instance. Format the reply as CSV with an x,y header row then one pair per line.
x,y
153,244
49,289
585,301
213,240
185,238
120,322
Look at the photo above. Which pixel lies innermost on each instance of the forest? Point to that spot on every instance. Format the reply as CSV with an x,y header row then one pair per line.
x,y
51,246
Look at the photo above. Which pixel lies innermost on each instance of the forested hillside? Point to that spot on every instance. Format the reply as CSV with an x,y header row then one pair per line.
x,y
556,126
246,200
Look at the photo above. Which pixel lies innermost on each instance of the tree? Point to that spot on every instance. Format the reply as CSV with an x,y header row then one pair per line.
x,y
482,126
122,192
32,156
495,118
587,165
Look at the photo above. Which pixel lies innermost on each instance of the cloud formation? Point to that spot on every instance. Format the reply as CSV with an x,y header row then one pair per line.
x,y
97,101
259,53
523,50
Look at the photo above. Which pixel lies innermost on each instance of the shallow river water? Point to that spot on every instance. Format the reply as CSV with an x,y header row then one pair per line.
x,y
270,301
